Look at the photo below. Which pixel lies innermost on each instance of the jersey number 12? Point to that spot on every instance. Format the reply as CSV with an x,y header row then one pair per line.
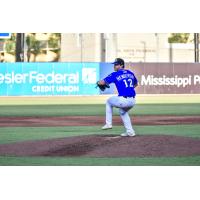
x,y
128,82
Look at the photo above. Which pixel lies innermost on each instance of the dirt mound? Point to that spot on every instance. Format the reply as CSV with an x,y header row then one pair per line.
x,y
106,146
94,120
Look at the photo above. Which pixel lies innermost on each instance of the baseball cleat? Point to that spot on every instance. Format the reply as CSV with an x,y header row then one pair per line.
x,y
128,134
106,126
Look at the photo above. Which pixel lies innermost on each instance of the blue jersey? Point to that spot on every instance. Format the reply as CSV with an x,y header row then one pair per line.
x,y
124,81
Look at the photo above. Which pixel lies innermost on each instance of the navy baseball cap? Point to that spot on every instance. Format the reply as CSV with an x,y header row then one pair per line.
x,y
118,61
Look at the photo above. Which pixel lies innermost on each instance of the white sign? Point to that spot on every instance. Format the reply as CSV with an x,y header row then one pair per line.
x,y
5,35
166,81
40,78
89,75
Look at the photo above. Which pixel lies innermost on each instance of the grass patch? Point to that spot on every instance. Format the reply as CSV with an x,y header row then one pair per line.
x,y
97,110
133,161
15,134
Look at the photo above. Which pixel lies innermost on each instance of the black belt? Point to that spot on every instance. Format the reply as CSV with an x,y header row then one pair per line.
x,y
128,97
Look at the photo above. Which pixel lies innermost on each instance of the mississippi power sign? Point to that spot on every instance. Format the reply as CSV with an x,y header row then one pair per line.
x,y
166,78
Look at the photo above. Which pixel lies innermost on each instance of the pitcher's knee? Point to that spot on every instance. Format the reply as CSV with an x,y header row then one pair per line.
x,y
122,112
110,100
108,103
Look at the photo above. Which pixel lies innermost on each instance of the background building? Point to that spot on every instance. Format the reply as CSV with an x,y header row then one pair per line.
x,y
100,47
133,47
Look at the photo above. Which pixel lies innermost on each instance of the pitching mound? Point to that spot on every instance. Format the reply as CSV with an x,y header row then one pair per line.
x,y
106,146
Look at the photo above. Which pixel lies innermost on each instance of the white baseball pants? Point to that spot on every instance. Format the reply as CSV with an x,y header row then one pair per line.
x,y
124,105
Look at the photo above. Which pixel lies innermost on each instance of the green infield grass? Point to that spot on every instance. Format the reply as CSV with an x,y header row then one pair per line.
x,y
17,134
44,161
97,110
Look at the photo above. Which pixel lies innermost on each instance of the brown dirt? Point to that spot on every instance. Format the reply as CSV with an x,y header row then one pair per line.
x,y
106,146
94,121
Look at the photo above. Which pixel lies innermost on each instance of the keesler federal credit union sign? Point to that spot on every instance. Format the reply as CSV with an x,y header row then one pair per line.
x,y
18,79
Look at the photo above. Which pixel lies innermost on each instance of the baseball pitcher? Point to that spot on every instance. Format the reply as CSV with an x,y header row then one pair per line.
x,y
125,82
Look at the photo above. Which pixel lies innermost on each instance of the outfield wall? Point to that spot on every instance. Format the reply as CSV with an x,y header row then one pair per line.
x,y
42,79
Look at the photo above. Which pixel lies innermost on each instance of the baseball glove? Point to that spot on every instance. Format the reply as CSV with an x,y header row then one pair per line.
x,y
102,87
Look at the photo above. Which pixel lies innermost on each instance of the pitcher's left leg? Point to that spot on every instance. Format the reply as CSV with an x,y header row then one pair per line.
x,y
127,123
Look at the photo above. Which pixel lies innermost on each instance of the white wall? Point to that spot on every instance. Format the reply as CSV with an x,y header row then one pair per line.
x,y
133,47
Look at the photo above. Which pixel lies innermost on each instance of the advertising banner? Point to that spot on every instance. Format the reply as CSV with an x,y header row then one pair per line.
x,y
36,79
167,78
